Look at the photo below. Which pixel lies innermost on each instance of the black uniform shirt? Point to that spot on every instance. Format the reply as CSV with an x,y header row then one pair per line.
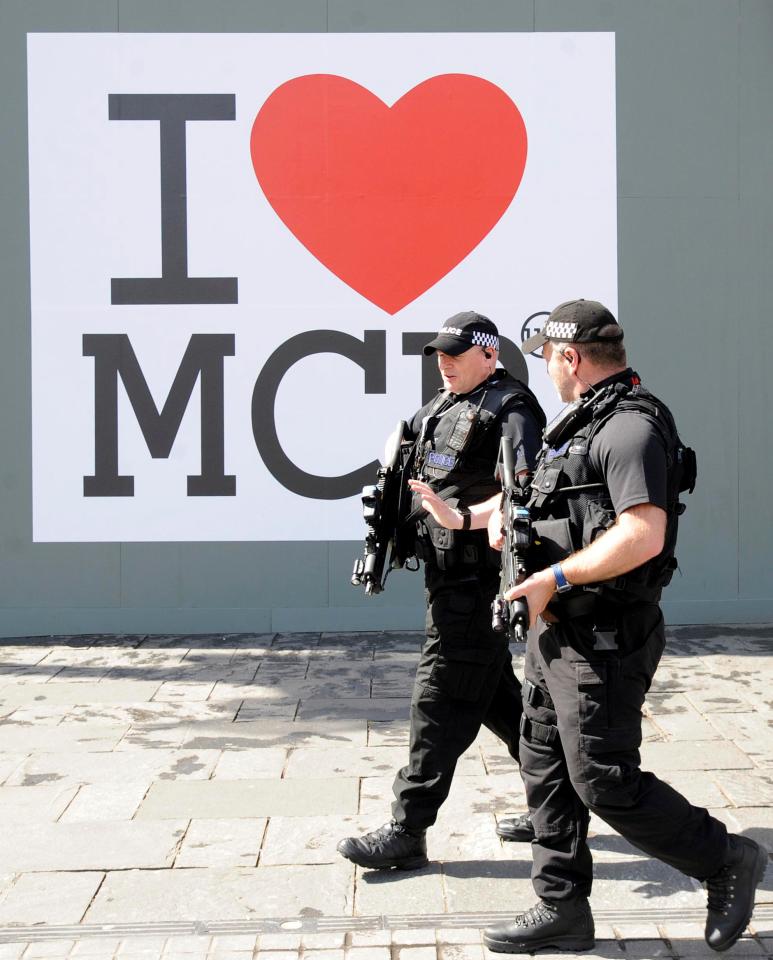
x,y
630,454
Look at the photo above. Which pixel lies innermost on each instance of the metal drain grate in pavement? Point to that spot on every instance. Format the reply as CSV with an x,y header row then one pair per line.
x,y
662,916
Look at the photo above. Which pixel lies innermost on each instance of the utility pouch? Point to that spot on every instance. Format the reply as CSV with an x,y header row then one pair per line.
x,y
546,479
670,568
685,457
442,538
443,547
599,517
424,549
544,484
552,542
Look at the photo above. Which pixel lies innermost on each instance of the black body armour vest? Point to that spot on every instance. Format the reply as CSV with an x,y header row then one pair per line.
x,y
571,503
456,453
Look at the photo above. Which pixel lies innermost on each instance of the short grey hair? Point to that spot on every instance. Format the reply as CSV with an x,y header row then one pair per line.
x,y
602,354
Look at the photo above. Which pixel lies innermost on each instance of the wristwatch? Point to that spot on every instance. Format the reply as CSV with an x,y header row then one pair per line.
x,y
464,513
562,584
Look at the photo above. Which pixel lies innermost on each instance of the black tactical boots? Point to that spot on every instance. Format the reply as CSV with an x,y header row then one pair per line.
x,y
389,846
731,892
519,829
560,924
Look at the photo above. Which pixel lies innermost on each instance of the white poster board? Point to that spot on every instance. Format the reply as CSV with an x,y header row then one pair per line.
x,y
238,243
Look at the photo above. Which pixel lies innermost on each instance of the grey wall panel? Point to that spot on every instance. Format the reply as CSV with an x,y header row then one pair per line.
x,y
58,574
679,285
677,69
224,16
754,328
754,311
400,603
39,575
254,574
755,98
448,15
41,621
150,575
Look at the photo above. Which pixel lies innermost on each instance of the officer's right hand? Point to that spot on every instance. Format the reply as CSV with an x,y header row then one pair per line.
x,y
440,509
537,590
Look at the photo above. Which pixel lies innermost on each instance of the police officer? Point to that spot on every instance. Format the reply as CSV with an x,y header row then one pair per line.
x,y
465,676
605,495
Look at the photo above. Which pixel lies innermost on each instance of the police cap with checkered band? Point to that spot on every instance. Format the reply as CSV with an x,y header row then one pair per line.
x,y
577,321
462,331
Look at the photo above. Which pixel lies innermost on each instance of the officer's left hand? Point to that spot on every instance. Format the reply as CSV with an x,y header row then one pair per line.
x,y
538,589
496,535
440,509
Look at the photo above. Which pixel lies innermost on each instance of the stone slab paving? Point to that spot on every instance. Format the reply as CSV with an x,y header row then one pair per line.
x,y
34,804
97,802
101,766
236,893
249,798
22,736
375,708
72,694
223,843
181,797
113,845
48,898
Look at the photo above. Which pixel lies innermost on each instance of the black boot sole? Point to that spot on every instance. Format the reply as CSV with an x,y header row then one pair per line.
x,y
760,866
407,863
513,837
568,942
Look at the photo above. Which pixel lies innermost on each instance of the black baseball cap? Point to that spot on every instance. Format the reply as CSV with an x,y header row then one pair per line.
x,y
577,321
462,331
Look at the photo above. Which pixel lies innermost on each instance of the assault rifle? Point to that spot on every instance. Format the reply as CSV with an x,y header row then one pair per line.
x,y
512,616
385,507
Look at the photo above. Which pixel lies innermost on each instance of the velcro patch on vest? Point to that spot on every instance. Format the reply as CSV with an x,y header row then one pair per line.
x,y
440,461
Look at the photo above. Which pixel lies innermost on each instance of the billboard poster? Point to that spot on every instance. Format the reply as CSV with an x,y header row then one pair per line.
x,y
240,243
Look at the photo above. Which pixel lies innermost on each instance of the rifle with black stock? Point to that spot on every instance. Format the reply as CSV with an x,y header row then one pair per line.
x,y
512,616
385,507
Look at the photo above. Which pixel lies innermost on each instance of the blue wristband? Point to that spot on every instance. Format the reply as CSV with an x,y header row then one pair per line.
x,y
562,584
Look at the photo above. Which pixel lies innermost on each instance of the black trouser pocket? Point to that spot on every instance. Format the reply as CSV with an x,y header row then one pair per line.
x,y
592,692
467,647
610,767
460,679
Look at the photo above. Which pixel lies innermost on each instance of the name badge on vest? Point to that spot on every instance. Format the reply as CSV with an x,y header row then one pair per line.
x,y
579,445
438,464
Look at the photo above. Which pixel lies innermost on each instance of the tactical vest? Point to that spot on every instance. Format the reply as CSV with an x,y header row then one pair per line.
x,y
456,453
573,495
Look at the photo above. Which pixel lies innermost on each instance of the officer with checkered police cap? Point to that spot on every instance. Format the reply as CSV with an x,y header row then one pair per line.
x,y
605,506
465,675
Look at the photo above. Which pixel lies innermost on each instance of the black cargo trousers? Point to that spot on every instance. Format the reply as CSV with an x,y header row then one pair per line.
x,y
580,752
464,680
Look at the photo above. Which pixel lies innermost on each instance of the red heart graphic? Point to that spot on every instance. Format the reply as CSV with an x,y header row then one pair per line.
x,y
390,199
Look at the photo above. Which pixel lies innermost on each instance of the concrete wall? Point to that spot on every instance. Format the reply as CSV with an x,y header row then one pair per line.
x,y
695,163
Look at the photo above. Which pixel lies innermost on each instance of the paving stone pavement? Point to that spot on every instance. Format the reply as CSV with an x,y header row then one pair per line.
x,y
181,797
